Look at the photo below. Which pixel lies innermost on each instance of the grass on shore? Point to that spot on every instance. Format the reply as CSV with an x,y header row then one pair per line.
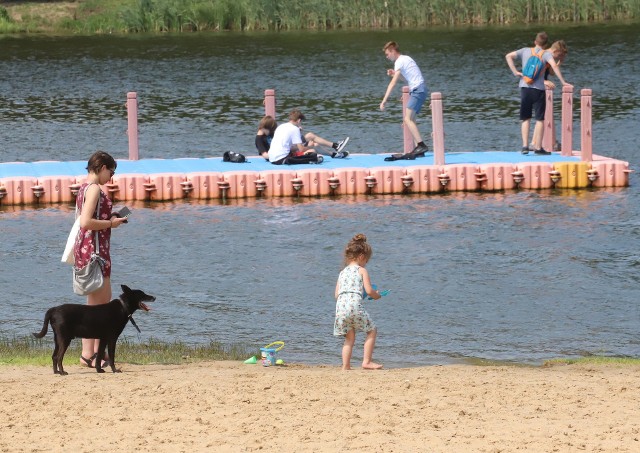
x,y
155,16
32,351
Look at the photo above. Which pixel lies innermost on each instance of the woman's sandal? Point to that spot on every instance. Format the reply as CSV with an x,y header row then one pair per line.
x,y
89,360
105,362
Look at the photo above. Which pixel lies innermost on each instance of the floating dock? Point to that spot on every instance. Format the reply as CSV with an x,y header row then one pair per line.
x,y
211,178
25,183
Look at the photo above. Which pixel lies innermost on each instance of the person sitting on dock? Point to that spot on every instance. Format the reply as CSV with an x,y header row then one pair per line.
x,y
287,146
406,66
532,95
266,129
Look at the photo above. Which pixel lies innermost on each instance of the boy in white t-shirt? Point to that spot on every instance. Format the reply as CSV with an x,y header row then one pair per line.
x,y
288,146
405,65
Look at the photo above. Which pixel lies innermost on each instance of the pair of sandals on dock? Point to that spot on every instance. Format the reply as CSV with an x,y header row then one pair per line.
x,y
418,151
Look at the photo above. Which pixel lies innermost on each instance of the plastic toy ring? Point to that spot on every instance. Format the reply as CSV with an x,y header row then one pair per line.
x,y
280,345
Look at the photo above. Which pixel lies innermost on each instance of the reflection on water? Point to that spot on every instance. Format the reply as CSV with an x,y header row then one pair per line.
x,y
520,276
517,276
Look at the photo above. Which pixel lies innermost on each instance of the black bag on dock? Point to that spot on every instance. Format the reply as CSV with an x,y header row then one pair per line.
x,y
230,156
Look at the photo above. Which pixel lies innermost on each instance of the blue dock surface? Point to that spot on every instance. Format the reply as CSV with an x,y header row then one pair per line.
x,y
255,163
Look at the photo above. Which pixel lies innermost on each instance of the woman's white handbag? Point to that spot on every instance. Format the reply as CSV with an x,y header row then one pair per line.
x,y
68,256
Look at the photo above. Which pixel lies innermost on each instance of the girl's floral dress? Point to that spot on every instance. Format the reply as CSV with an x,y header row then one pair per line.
x,y
350,312
84,245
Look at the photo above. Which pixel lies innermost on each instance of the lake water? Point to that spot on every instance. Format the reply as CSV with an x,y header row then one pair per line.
x,y
515,276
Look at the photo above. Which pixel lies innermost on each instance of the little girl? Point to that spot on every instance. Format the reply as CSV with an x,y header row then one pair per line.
x,y
350,312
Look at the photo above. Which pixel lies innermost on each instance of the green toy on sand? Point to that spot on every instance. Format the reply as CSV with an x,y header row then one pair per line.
x,y
268,355
253,360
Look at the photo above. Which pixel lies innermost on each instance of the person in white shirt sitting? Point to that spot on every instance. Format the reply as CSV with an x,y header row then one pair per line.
x,y
288,146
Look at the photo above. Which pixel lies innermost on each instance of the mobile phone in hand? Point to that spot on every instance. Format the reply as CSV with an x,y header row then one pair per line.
x,y
124,212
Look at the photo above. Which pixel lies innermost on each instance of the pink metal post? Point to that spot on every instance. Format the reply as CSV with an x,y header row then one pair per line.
x,y
270,103
549,131
407,138
438,128
132,124
586,134
566,136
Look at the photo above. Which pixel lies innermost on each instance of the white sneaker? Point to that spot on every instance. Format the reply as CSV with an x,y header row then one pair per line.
x,y
340,155
342,144
319,159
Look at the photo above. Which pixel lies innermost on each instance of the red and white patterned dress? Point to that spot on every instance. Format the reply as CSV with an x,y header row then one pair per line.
x,y
84,245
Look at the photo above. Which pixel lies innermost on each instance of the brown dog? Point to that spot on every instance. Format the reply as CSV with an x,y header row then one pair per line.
x,y
104,322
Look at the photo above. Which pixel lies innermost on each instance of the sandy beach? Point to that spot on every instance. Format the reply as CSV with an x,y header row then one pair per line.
x,y
229,406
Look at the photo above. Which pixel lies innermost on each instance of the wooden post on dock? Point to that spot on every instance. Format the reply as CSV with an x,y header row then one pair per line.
x,y
132,124
270,103
407,138
549,130
586,133
566,137
438,128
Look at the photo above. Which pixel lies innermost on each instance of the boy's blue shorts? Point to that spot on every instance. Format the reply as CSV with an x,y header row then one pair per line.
x,y
417,97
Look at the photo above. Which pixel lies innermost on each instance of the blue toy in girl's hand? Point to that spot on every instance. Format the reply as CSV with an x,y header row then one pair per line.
x,y
364,293
384,292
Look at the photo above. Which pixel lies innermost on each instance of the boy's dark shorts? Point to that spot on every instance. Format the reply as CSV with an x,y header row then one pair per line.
x,y
532,100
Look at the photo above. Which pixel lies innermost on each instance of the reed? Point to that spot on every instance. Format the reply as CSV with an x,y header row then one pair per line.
x,y
176,15
32,351
201,15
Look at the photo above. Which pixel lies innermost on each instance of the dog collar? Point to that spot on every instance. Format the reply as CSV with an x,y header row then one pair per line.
x,y
124,305
129,315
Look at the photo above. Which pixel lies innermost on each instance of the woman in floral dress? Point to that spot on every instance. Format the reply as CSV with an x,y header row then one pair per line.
x,y
101,168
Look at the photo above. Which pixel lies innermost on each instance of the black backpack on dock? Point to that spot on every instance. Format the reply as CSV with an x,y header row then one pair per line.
x,y
230,156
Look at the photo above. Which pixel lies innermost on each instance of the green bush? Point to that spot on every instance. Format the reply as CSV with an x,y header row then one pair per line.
x,y
7,24
4,15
